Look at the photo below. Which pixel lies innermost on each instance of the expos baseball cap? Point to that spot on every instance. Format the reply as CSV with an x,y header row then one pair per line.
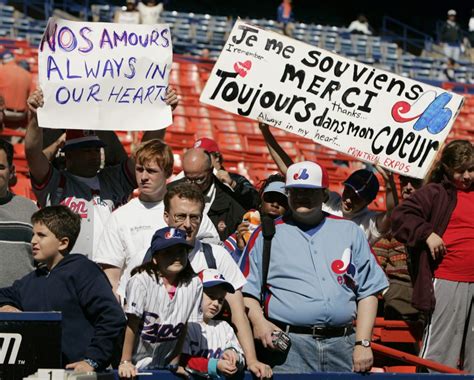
x,y
209,145
168,237
306,175
211,277
81,138
365,184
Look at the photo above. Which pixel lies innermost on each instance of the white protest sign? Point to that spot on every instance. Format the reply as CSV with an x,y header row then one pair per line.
x,y
104,76
371,114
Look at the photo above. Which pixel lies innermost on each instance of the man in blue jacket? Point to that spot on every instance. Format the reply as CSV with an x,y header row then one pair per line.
x,y
93,321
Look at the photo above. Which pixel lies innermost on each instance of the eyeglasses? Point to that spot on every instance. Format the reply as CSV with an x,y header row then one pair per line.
x,y
197,181
181,218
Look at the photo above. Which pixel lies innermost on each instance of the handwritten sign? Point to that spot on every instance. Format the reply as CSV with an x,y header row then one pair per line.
x,y
104,76
371,114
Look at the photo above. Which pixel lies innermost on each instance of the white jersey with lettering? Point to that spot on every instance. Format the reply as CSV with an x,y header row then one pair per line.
x,y
210,340
93,199
163,318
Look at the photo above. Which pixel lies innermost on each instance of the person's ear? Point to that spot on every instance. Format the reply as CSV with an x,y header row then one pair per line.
x,y
63,244
166,217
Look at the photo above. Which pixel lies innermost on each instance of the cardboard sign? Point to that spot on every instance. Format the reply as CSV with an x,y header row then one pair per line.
x,y
104,76
371,114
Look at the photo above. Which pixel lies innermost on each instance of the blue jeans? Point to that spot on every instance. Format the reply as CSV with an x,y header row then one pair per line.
x,y
308,355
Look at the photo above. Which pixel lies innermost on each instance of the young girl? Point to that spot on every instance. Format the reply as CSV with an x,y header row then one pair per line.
x,y
437,224
160,297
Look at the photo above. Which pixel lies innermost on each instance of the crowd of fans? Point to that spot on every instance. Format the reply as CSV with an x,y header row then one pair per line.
x,y
208,275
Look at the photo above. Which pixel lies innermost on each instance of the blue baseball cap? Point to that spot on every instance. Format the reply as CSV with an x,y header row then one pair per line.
x,y
365,184
168,237
276,187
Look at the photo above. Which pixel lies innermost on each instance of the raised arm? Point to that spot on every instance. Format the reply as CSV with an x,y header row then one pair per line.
x,y
391,200
37,161
280,157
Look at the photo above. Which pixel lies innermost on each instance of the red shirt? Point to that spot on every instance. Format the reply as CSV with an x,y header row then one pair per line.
x,y
458,262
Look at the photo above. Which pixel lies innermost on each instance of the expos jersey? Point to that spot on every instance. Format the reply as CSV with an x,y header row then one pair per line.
x,y
210,340
93,199
163,318
321,272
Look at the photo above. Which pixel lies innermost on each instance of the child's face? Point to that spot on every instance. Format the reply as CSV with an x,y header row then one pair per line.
x,y
173,260
464,177
45,245
212,301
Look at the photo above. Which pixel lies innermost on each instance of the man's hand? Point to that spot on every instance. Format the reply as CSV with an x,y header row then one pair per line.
x,y
226,367
242,229
436,246
263,331
9,309
172,98
81,366
224,177
362,359
127,370
260,370
35,100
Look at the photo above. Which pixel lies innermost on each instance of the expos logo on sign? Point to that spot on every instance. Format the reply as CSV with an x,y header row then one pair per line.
x,y
301,175
435,117
344,268
155,332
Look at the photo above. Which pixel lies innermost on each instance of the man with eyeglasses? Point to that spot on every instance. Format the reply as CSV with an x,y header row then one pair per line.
x,y
184,206
221,206
128,231
242,189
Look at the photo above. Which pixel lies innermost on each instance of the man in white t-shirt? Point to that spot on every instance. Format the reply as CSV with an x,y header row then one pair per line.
x,y
184,207
129,230
150,12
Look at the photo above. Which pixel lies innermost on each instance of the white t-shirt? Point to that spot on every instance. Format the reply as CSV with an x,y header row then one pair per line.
x,y
124,17
224,262
150,15
367,220
163,318
128,233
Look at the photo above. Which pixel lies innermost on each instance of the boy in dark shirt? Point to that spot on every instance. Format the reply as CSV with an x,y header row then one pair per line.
x,y
92,321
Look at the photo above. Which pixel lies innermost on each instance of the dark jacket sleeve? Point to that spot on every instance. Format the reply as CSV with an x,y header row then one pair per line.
x,y
411,219
103,310
12,294
245,193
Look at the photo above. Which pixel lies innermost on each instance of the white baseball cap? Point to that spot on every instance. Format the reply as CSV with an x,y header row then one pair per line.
x,y
451,12
211,277
306,175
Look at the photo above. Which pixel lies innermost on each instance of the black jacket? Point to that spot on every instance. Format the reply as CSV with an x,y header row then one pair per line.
x,y
92,319
226,212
